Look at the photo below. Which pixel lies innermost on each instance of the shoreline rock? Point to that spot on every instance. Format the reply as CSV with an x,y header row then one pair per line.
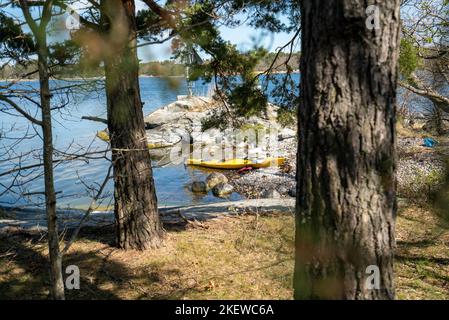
x,y
199,187
215,179
222,190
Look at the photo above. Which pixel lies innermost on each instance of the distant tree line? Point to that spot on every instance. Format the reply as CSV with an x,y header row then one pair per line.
x,y
166,68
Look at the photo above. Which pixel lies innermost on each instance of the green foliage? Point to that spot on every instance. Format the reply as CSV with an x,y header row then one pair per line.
x,y
147,23
247,100
64,53
266,14
409,59
14,43
287,118
215,120
234,73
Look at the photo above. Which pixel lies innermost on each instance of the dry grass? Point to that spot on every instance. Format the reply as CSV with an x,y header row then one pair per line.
x,y
407,132
422,255
232,258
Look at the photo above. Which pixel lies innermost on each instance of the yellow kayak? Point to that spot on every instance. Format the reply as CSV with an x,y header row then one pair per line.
x,y
103,135
236,163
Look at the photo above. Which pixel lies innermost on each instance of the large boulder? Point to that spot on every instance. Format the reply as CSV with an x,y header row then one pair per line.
x,y
199,187
164,138
215,179
189,106
222,190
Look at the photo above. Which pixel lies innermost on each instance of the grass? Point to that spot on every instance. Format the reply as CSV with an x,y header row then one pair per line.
x,y
422,255
244,257
229,258
407,132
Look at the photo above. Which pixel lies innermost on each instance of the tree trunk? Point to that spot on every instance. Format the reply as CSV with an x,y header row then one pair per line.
x,y
136,212
346,203
56,277
39,33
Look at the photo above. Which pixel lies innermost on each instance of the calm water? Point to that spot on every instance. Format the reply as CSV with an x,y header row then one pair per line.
x,y
73,180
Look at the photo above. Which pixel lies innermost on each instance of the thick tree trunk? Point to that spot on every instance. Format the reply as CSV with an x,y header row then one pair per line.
x,y
137,218
346,202
56,277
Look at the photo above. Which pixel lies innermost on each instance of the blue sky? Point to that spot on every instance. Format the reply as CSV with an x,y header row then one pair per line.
x,y
244,36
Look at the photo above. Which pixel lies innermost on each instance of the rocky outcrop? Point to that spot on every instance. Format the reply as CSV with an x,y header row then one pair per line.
x,y
182,121
283,190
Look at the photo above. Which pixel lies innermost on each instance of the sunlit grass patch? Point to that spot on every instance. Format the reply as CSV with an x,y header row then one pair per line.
x,y
422,256
245,257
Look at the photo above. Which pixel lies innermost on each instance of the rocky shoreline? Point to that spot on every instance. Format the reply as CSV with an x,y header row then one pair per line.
x,y
182,121
419,168
272,182
421,171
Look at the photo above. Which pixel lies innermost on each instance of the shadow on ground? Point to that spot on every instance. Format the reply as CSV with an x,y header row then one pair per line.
x,y
230,258
24,273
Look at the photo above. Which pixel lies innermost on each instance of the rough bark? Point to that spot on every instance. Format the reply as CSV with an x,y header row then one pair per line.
x,y
346,203
137,218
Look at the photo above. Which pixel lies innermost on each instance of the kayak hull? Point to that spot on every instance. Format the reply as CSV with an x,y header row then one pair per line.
x,y
236,164
158,145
